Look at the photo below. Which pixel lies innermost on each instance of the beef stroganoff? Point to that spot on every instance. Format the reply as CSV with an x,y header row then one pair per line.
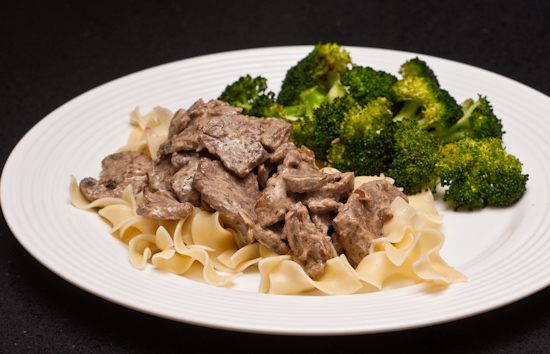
x,y
210,186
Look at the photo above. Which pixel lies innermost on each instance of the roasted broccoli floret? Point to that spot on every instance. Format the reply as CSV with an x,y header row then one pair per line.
x,y
252,96
478,122
243,92
318,132
423,99
365,139
415,153
265,105
366,84
317,73
480,173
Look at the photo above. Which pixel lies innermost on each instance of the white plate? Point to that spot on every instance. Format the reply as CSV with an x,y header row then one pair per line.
x,y
505,253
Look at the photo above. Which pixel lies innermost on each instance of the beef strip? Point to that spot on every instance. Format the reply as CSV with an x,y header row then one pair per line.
x,y
272,237
229,194
326,193
279,155
199,114
182,158
118,171
232,139
299,180
273,203
359,222
182,181
309,247
160,173
271,132
179,122
162,205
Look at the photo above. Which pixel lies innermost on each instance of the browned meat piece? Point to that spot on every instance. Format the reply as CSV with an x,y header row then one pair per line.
x,y
182,181
309,247
229,194
179,122
271,132
302,154
273,203
264,172
299,180
299,162
272,237
160,173
118,171
161,205
328,193
361,219
199,115
323,221
182,158
232,139
279,155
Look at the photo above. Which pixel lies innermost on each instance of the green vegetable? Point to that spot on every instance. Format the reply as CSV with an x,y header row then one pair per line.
x,y
359,119
243,92
477,122
480,173
423,99
318,132
415,154
365,140
319,72
366,84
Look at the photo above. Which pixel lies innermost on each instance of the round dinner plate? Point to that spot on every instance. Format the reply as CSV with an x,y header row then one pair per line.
x,y
504,253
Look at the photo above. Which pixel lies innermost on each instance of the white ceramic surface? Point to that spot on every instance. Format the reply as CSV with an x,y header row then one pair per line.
x,y
505,253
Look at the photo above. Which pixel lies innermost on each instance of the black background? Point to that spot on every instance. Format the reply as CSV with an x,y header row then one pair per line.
x,y
52,52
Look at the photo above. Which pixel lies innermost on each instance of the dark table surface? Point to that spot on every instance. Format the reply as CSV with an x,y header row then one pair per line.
x,y
51,53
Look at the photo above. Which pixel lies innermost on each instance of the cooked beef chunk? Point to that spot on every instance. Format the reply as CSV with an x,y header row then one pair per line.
x,y
309,247
359,222
118,171
160,173
229,194
329,192
265,171
182,182
162,205
232,139
272,237
323,221
199,114
179,122
271,132
273,203
299,180
182,158
279,155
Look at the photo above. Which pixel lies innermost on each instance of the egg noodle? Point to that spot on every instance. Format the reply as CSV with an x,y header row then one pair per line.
x,y
407,253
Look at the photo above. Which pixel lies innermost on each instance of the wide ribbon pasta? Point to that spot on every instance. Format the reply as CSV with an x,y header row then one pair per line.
x,y
173,246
